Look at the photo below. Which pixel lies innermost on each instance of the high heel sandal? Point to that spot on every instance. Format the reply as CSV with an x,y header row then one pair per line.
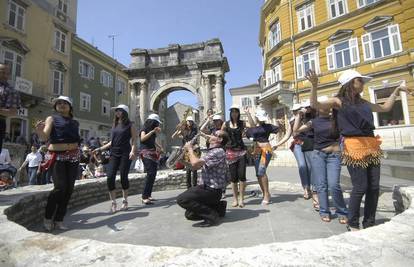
x,y
124,205
113,207
307,194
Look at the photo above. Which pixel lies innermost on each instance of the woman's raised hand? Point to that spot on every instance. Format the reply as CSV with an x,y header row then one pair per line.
x,y
312,77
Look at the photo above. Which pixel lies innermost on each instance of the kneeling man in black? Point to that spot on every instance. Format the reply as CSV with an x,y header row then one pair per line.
x,y
202,202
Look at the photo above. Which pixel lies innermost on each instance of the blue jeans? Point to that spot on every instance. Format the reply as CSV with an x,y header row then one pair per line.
x,y
32,173
326,169
304,168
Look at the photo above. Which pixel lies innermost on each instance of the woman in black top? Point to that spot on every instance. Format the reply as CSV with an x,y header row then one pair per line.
x,y
236,155
123,151
62,158
150,152
264,151
326,163
361,151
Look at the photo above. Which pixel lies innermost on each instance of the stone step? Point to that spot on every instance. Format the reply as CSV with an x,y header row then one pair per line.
x,y
406,155
397,168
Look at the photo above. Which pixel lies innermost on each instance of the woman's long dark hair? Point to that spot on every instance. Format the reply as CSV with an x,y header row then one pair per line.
x,y
149,125
123,119
239,123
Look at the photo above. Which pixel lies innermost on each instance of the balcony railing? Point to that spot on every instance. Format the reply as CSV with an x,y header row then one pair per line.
x,y
275,89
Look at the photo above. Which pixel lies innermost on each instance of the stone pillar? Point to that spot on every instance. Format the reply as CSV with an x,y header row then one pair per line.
x,y
207,90
143,101
220,94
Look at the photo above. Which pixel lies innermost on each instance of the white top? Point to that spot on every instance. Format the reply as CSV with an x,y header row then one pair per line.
x,y
34,159
5,156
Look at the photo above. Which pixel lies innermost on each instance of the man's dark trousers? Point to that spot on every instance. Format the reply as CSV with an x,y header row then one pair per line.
x,y
201,202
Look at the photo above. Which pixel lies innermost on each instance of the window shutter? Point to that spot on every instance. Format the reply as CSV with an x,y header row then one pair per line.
x,y
330,57
102,77
299,66
268,77
353,45
367,44
279,32
92,74
270,38
80,68
394,33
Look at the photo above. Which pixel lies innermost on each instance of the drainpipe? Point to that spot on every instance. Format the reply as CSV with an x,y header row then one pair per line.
x,y
292,40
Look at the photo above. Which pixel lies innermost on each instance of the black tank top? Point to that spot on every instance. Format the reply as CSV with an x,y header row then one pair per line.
x,y
324,136
65,130
120,141
235,136
150,142
356,119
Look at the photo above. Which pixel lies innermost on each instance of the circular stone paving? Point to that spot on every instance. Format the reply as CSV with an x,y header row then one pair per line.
x,y
288,218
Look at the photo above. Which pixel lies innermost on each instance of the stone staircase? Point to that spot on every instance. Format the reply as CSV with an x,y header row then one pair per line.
x,y
398,163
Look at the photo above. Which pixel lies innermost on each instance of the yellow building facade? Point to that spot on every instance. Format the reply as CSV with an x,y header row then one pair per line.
x,y
374,37
35,41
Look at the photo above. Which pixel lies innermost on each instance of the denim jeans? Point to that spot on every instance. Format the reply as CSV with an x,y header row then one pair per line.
x,y
326,168
32,173
365,181
304,168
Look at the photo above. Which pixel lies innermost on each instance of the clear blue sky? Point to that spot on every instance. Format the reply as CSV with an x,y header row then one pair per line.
x,y
157,23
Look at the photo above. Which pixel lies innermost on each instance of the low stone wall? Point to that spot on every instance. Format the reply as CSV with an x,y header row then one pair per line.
x,y
388,244
29,203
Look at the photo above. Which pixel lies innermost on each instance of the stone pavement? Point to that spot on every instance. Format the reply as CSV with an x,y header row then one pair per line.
x,y
288,218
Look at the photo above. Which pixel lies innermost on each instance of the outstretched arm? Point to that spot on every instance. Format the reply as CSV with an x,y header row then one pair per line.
x,y
389,103
328,104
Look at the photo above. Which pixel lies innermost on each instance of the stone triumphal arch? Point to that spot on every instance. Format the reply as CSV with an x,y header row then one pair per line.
x,y
198,68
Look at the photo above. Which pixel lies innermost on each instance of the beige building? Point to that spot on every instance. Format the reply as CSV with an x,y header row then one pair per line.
x,y
245,96
35,40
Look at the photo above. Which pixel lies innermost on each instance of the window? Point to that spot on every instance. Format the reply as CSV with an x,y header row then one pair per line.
x,y
85,102
17,15
342,54
274,35
63,6
58,82
120,86
60,41
15,62
86,70
274,75
106,106
306,62
84,134
246,102
337,8
362,3
305,18
106,79
381,43
394,116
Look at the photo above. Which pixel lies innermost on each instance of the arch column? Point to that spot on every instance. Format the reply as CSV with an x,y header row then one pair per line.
x,y
207,90
143,100
219,94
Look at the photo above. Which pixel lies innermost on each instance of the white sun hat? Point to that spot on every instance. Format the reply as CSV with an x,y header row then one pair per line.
x,y
305,104
261,115
349,75
295,106
189,118
64,98
123,107
217,117
234,106
155,117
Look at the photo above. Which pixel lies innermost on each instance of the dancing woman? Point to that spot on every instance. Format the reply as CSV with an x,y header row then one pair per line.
x,y
260,133
236,155
63,155
187,133
123,151
361,149
326,162
150,151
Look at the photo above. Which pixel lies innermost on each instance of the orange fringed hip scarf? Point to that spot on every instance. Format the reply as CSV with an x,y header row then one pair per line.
x,y
361,151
